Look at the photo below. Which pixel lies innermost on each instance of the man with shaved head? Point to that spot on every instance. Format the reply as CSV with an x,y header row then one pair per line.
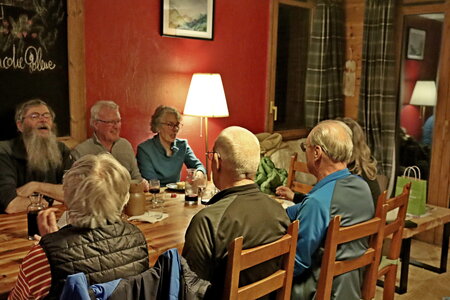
x,y
328,149
239,209
35,161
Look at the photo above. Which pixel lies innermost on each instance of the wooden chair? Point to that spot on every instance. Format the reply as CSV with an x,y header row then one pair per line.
x,y
280,281
388,265
297,166
336,235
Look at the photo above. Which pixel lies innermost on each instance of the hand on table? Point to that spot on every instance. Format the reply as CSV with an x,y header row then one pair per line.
x,y
27,189
145,184
200,178
285,192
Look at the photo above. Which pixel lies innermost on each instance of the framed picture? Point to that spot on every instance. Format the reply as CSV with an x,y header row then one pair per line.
x,y
416,44
188,18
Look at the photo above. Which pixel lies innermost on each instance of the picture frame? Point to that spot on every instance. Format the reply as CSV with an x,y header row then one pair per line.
x,y
187,18
416,44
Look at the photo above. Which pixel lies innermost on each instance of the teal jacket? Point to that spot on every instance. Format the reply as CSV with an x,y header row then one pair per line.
x,y
154,163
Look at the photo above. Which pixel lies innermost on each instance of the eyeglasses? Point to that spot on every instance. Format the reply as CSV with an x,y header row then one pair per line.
x,y
210,155
172,125
37,116
303,146
112,122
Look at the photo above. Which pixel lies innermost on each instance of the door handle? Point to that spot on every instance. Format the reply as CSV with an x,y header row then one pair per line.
x,y
273,109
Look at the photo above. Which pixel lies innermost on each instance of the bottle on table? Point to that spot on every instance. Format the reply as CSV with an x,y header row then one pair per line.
x,y
32,212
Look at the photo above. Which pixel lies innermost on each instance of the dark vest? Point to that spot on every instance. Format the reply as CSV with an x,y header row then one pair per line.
x,y
114,251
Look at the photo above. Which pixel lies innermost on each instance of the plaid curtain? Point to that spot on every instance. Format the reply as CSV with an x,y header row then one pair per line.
x,y
323,93
377,100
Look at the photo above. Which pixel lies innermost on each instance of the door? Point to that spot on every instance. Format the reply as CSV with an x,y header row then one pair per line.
x,y
291,27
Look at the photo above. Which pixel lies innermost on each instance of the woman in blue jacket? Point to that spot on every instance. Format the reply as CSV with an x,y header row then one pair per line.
x,y
163,156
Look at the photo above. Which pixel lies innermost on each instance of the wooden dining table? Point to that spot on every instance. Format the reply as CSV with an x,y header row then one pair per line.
x,y
161,236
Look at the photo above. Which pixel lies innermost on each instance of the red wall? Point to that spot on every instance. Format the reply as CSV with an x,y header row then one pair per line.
x,y
129,62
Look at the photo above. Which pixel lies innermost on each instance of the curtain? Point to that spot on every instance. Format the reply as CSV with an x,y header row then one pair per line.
x,y
377,100
323,92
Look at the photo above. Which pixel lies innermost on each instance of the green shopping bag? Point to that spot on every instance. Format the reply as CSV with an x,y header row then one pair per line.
x,y
418,193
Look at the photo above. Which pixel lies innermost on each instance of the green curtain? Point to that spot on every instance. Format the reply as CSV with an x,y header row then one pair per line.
x,y
323,93
377,100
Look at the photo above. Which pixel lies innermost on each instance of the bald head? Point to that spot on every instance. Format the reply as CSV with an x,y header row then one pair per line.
x,y
239,151
335,138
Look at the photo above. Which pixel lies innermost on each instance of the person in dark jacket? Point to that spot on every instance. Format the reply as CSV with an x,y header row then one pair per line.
x,y
33,162
96,241
239,209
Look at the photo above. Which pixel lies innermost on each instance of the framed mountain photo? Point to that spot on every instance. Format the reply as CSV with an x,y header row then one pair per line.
x,y
188,18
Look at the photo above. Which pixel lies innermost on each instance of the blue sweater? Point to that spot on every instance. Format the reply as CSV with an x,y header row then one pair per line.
x,y
340,193
154,163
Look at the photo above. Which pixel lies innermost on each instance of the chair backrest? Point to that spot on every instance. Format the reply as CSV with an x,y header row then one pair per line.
x,y
394,229
336,235
297,166
280,281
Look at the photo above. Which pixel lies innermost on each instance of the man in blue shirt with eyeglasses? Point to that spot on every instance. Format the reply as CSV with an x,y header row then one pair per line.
x,y
328,149
33,162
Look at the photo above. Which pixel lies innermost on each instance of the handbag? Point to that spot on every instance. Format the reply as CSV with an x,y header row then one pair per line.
x,y
418,193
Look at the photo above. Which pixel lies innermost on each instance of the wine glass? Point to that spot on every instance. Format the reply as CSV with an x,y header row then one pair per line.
x,y
154,189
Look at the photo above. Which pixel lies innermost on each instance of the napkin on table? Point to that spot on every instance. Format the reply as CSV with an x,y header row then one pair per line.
x,y
148,216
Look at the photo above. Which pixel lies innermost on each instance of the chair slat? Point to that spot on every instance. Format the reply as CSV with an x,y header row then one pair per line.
x,y
342,267
263,286
280,281
254,256
297,166
358,231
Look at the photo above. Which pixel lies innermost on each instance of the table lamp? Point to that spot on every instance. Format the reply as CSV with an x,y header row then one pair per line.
x,y
424,94
206,99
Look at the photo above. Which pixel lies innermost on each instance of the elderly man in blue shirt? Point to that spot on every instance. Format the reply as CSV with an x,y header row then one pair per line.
x,y
328,149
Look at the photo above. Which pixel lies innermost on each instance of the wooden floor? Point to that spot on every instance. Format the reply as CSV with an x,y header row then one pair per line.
x,y
423,284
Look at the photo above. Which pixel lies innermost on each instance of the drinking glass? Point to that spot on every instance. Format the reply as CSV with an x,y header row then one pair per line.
x,y
154,189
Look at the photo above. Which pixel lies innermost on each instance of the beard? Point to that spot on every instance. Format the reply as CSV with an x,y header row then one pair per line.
x,y
42,151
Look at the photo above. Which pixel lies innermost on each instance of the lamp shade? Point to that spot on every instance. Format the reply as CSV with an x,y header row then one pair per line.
x,y
206,97
424,93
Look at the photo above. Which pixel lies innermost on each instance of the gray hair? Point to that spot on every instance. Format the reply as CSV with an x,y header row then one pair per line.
x,y
160,111
96,189
239,150
335,139
97,107
22,108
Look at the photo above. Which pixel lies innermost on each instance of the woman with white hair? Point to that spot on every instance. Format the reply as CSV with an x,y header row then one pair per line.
x,y
96,241
163,156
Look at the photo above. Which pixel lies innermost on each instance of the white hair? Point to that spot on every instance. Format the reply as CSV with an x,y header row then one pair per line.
x,y
335,139
97,107
96,189
239,150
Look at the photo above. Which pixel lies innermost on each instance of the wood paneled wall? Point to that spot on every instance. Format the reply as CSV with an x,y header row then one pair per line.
x,y
354,28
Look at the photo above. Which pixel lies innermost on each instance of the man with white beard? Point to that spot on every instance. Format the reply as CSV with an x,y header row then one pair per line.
x,y
34,161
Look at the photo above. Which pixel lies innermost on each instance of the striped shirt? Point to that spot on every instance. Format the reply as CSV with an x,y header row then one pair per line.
x,y
35,279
